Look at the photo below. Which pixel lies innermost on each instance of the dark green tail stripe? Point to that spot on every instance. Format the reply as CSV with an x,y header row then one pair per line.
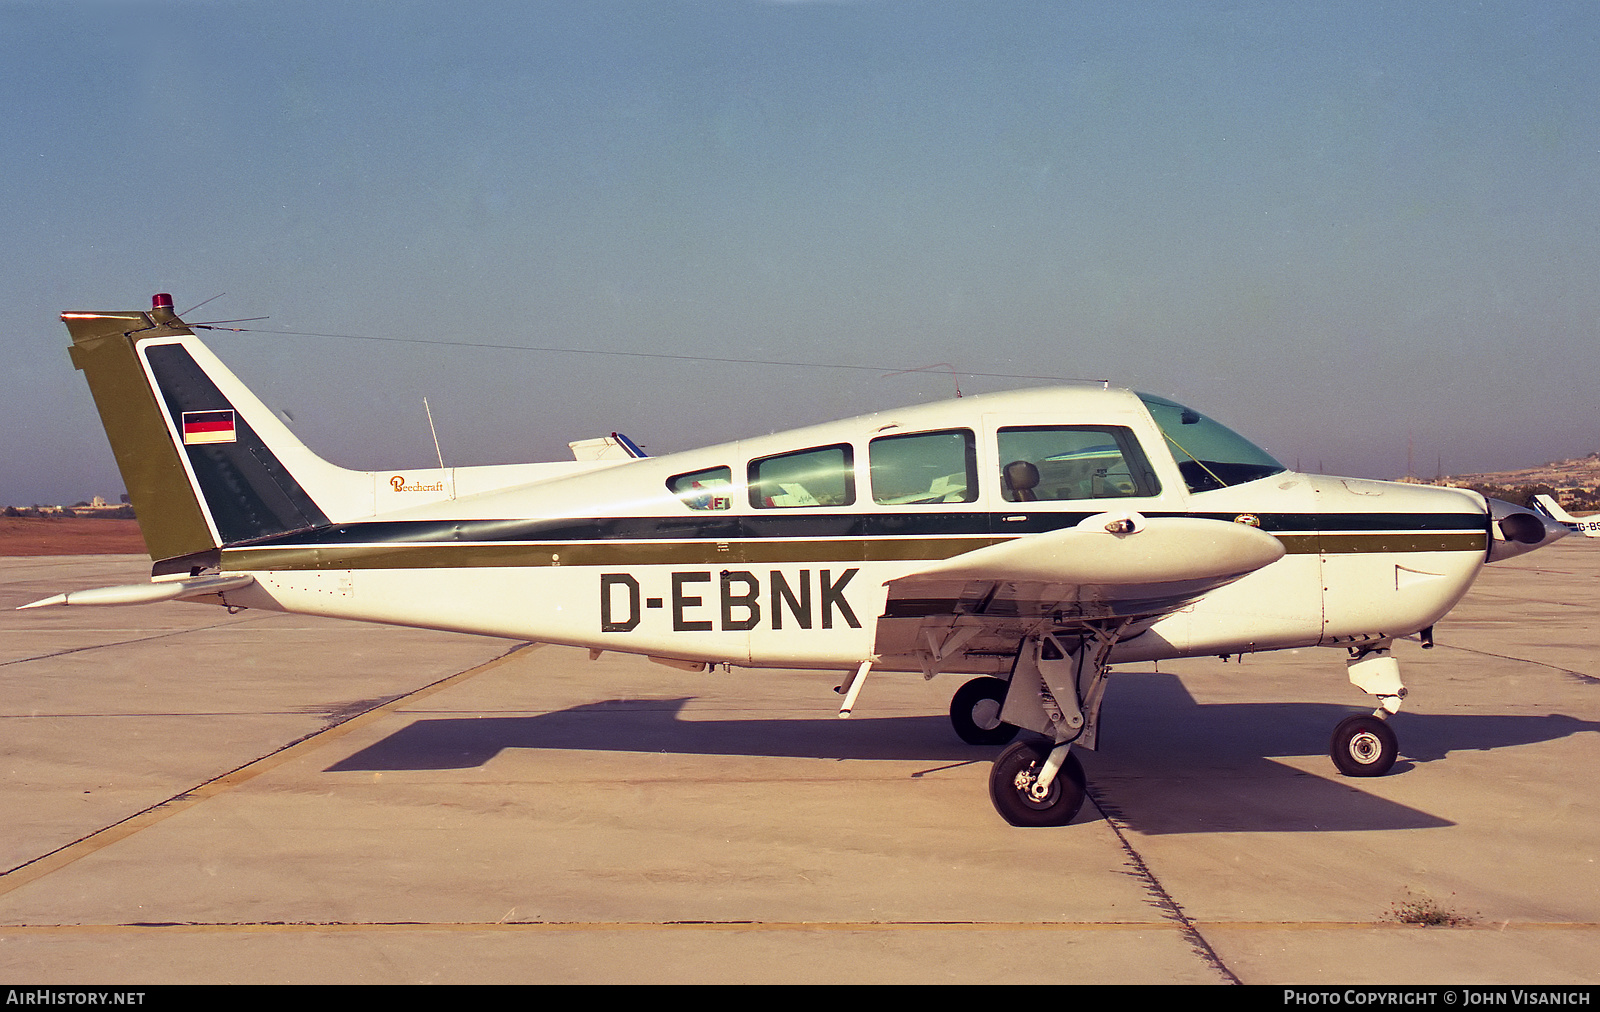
x,y
249,492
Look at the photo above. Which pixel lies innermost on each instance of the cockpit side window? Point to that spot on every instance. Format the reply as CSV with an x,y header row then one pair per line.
x,y
924,467
1046,463
1209,454
824,476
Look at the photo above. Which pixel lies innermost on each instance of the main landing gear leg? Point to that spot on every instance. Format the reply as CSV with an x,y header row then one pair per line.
x,y
1365,745
1056,688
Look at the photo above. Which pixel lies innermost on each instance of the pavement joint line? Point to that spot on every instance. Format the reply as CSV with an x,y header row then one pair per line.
x,y
687,925
1163,900
123,643
1582,677
138,927
36,868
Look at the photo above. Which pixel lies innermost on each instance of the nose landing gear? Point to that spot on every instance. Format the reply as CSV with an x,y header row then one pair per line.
x,y
1365,745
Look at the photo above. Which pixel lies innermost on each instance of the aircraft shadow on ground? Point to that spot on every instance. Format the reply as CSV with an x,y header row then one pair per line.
x,y
1167,764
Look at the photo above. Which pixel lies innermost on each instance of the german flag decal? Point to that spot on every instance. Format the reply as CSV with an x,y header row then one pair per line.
x,y
207,427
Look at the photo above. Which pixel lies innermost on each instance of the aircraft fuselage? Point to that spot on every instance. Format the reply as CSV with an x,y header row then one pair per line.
x,y
639,569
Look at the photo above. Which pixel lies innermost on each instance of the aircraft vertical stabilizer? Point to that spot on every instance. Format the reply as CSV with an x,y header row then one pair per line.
x,y
205,463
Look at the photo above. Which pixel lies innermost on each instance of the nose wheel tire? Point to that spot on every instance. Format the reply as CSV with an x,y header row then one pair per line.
x,y
1012,779
1363,746
975,712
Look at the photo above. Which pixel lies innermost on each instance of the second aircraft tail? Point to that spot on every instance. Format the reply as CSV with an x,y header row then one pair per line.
x,y
1588,526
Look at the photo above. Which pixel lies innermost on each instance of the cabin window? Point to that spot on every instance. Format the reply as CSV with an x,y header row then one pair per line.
x,y
704,490
824,476
924,467
1050,463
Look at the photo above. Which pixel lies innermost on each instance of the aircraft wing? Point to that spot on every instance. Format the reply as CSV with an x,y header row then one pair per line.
x,y
1112,566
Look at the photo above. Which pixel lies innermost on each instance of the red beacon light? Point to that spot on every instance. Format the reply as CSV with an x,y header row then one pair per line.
x,y
161,301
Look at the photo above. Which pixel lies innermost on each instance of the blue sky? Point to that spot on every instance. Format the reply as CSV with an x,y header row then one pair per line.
x,y
1335,229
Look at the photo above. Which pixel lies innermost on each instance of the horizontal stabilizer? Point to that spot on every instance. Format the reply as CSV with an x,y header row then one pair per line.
x,y
613,447
147,593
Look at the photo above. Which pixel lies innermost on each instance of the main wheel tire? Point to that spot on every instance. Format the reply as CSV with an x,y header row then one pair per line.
x,y
975,712
1015,772
1364,746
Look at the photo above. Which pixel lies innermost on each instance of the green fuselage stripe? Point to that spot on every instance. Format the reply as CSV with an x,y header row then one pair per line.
x,y
613,554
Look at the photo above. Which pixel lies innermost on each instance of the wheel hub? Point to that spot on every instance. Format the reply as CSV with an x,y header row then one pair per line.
x,y
986,714
1365,747
1027,784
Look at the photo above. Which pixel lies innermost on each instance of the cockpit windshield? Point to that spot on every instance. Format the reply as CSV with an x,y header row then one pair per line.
x,y
1209,454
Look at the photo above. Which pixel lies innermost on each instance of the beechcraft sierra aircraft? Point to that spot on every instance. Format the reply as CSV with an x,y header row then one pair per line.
x,y
1032,539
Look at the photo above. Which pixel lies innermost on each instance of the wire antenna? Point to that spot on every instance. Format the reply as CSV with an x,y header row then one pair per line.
x,y
212,324
197,305
658,356
930,368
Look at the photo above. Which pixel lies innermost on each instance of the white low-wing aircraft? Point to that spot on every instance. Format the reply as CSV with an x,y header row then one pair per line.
x,y
1588,525
1032,539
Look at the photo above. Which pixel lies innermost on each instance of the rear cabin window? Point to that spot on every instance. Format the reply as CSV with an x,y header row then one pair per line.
x,y
824,476
704,490
1043,463
924,467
